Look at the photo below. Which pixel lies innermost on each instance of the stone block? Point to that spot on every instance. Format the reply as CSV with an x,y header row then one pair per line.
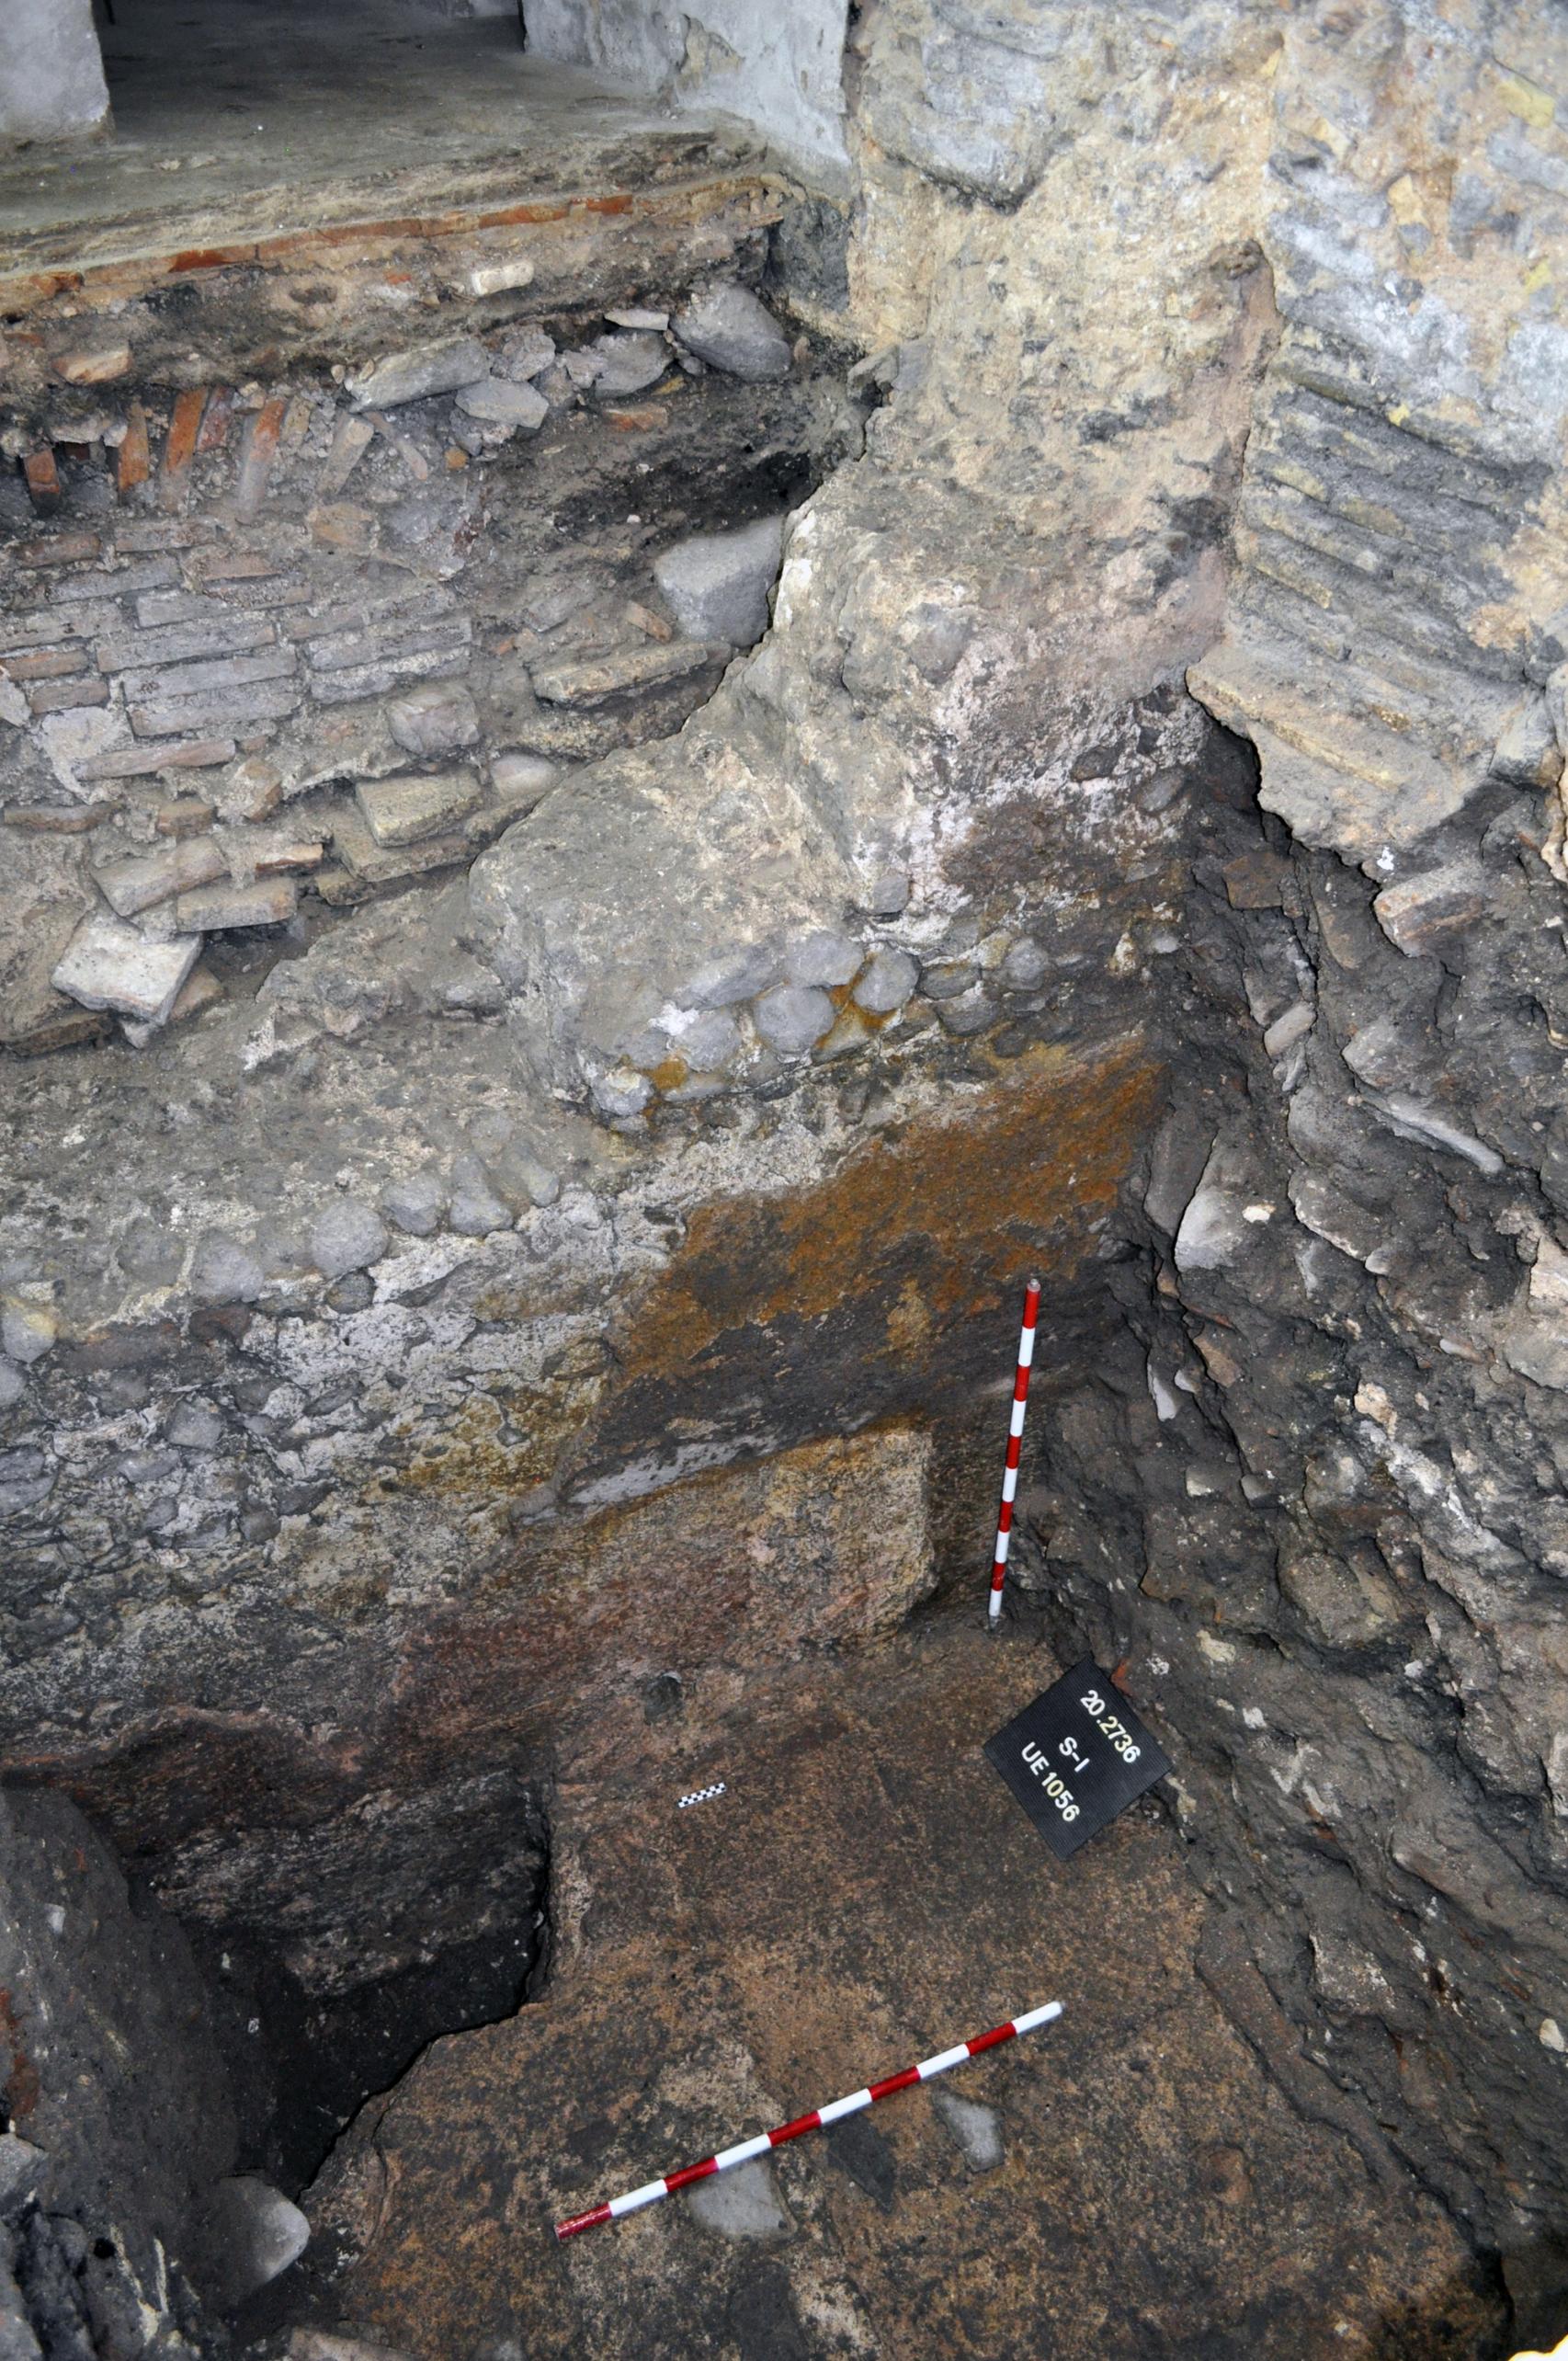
x,y
498,402
435,718
406,811
716,584
416,375
728,328
629,363
110,966
1422,914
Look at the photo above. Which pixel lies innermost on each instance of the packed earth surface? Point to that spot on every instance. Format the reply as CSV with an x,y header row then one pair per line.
x,y
643,762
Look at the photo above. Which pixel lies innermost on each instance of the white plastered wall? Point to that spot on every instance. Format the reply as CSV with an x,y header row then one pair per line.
x,y
51,75
776,63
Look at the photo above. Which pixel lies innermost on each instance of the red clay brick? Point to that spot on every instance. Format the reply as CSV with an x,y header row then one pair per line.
x,y
135,458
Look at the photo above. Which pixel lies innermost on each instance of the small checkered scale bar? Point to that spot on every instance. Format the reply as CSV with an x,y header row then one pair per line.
x,y
818,2120
1014,1445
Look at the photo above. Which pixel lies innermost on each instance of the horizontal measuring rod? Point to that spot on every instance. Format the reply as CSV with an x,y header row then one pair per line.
x,y
818,2120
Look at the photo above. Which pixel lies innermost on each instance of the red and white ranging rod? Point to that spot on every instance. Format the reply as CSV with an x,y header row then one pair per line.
x,y
1014,1445
818,2120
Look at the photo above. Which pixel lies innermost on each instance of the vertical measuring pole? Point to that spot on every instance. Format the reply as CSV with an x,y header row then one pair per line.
x,y
1015,1446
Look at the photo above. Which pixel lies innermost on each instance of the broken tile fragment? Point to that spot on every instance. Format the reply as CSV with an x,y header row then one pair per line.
x,y
140,881
188,815
622,671
270,902
110,966
377,865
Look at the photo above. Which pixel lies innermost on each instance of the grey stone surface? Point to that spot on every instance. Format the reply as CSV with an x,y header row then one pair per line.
x,y
889,979
416,1203
195,1426
629,363
418,371
437,717
730,328
223,1271
742,2204
711,1041
110,965
259,2231
504,402
346,1236
792,1017
27,1329
976,2128
716,584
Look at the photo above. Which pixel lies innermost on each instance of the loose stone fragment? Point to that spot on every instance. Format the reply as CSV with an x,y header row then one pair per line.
x,y
1024,968
889,978
415,1204
108,965
1420,914
195,1427
633,316
261,2233
348,1237
141,881
528,353
716,584
476,1210
406,811
710,1043
268,903
435,718
414,375
520,780
498,402
970,1013
737,975
252,791
629,364
224,1273
729,327
27,1330
97,364
823,959
794,1017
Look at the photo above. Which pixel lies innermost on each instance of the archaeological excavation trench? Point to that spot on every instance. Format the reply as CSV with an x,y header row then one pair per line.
x,y
673,701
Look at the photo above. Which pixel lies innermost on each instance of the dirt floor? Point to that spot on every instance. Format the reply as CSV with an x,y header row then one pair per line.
x,y
1129,2183
236,120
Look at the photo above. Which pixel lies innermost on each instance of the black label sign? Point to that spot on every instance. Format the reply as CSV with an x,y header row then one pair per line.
x,y
1077,1757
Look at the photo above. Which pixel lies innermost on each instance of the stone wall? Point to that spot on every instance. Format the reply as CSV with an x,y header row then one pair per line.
x,y
52,77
